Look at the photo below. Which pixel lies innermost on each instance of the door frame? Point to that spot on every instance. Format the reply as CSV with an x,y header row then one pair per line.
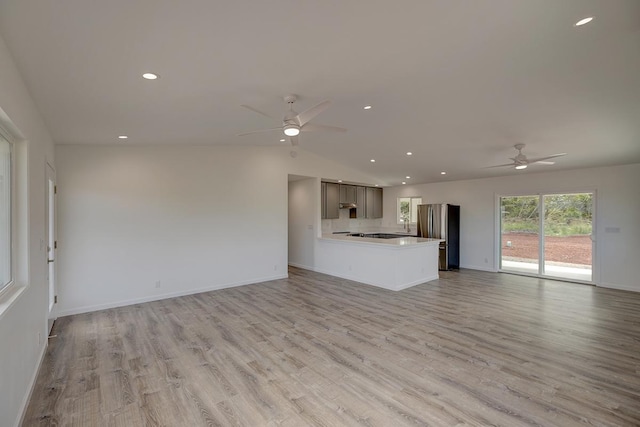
x,y
50,250
595,271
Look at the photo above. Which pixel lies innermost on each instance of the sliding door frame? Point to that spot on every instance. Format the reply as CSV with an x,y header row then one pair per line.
x,y
595,273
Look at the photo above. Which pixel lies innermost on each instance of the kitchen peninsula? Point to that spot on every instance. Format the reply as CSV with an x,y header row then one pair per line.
x,y
393,264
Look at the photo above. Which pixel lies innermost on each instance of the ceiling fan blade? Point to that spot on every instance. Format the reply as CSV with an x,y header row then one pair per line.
x,y
294,140
539,159
309,114
255,110
542,162
499,166
259,131
312,127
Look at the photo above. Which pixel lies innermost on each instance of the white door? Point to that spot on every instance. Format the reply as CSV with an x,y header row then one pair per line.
x,y
51,244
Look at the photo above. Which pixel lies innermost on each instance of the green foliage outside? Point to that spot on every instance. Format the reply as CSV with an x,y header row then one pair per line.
x,y
565,214
404,209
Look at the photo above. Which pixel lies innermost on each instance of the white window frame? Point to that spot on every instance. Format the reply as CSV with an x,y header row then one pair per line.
x,y
595,270
411,198
5,287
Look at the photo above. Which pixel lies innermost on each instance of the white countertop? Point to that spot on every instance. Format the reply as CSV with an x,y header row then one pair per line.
x,y
401,241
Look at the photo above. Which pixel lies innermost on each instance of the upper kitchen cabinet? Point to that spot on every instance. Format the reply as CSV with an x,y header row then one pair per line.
x,y
361,202
347,193
330,200
323,200
374,203
368,201
377,203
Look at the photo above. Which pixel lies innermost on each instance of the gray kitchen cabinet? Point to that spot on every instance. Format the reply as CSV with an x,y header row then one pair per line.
x,y
347,193
367,199
361,202
323,200
374,203
331,200
377,203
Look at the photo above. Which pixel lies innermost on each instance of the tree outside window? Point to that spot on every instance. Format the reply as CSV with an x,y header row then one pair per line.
x,y
408,209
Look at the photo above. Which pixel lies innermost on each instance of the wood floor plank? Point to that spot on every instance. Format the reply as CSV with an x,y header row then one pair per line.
x,y
472,348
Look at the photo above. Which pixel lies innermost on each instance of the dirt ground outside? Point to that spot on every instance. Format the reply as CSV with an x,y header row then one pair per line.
x,y
569,249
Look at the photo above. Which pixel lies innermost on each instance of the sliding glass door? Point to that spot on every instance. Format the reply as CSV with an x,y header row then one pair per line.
x,y
548,235
520,234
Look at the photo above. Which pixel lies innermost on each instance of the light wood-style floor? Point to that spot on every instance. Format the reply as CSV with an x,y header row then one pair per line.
x,y
472,348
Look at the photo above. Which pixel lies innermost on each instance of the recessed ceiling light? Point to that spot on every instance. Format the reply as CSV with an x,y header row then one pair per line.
x,y
123,137
409,153
150,76
367,107
373,160
443,173
403,183
584,21
408,177
376,185
282,140
339,180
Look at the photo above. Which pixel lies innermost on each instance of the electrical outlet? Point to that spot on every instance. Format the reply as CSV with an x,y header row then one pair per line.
x,y
39,339
158,284
275,268
486,260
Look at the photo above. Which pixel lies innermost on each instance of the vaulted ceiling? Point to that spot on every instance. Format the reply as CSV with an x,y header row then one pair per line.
x,y
455,82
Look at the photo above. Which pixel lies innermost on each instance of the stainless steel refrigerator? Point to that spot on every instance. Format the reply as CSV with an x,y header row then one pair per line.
x,y
442,221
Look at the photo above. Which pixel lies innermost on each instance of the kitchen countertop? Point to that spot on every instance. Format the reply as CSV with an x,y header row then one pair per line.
x,y
399,242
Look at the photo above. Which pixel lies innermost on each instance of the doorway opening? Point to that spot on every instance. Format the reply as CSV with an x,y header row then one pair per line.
x,y
50,229
548,235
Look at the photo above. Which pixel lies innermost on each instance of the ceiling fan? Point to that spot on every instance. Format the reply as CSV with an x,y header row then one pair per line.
x,y
293,123
520,161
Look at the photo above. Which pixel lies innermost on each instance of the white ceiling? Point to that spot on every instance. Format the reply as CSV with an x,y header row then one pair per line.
x,y
457,82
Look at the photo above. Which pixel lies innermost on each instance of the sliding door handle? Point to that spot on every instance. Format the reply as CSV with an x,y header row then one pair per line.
x,y
49,261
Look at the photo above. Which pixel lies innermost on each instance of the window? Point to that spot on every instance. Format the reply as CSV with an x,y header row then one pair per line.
x,y
6,186
408,209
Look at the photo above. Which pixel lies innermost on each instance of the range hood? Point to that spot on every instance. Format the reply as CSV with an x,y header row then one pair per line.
x,y
348,206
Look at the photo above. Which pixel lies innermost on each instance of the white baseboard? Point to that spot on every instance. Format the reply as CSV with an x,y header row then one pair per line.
x,y
32,385
356,279
417,282
618,287
480,268
96,307
304,267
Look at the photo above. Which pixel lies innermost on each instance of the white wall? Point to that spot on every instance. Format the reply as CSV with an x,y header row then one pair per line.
x,y
192,218
617,206
26,317
304,209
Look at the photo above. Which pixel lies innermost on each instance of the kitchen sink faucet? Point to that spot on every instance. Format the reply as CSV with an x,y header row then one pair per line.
x,y
407,224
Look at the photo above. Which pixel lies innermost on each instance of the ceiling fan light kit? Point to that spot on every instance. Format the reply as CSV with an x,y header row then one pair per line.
x,y
520,161
291,130
293,123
